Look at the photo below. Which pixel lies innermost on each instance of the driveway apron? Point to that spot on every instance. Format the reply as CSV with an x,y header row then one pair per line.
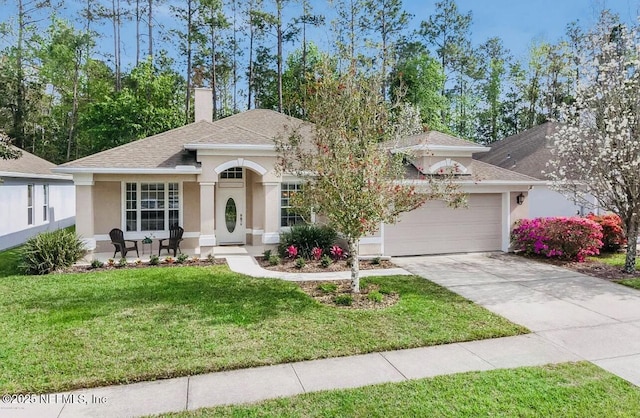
x,y
594,319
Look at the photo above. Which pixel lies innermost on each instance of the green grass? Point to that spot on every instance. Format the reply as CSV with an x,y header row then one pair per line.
x,y
565,390
66,331
617,260
10,261
613,259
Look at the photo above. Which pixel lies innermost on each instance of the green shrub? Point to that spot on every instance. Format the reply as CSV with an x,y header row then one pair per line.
x,y
344,300
274,260
154,260
300,263
327,287
305,238
210,258
122,262
325,261
375,296
182,258
51,251
96,264
266,254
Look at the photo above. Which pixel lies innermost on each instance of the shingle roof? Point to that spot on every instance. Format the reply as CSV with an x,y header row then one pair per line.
x,y
433,138
166,150
27,164
526,153
481,172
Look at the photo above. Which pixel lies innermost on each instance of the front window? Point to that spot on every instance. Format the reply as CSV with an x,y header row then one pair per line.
x,y
287,216
45,203
152,206
30,204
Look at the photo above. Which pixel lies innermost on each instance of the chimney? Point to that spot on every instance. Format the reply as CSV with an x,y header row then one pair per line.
x,y
203,104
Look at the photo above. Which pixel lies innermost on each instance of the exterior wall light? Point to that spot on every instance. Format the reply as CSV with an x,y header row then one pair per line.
x,y
520,199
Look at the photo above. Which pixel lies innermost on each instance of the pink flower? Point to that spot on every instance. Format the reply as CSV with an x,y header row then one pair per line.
x,y
292,251
316,253
337,252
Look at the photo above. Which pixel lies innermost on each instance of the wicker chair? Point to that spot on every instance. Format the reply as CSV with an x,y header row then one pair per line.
x,y
175,236
120,244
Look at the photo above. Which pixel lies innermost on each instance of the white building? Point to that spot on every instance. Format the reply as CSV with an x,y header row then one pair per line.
x,y
33,199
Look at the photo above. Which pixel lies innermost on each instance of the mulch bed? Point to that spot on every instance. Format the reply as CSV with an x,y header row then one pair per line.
x,y
590,268
359,300
312,266
107,267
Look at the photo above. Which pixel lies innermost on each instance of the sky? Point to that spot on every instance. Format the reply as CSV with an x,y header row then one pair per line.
x,y
517,22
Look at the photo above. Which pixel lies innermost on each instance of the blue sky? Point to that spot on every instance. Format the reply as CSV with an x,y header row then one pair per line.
x,y
517,22
520,22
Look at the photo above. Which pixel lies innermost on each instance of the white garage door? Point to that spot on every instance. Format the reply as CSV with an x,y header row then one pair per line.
x,y
435,228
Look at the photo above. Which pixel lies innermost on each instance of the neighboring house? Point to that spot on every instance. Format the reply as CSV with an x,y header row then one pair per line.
x,y
33,199
218,180
528,153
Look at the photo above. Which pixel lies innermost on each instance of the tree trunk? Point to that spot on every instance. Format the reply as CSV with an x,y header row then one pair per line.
x,y
137,32
74,109
355,266
187,117
214,96
250,68
632,244
150,25
280,41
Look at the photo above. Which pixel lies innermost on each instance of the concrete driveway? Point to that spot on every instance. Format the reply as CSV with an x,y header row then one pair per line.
x,y
594,319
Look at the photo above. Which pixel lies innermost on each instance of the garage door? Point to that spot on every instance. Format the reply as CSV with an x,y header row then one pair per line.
x,y
435,228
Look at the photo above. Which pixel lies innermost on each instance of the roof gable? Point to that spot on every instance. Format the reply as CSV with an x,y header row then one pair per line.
x,y
27,165
527,152
166,150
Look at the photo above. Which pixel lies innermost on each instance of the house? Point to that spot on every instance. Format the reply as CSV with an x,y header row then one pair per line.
x,y
33,199
218,180
528,153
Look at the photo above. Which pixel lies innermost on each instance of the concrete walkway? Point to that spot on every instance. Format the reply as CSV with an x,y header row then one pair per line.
x,y
574,317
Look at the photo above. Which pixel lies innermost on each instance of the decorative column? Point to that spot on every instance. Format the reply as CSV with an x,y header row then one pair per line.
x,y
506,221
84,209
271,191
207,218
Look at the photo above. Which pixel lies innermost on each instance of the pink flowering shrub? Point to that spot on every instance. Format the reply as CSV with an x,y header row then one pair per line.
x,y
612,233
337,252
292,251
316,253
568,238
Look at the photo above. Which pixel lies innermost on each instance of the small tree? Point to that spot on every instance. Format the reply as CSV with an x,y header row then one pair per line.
x,y
8,152
349,177
598,148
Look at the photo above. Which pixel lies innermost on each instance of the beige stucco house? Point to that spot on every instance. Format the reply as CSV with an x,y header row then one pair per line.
x,y
218,180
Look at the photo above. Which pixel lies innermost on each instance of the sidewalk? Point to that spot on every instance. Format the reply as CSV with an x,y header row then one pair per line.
x,y
574,317
256,384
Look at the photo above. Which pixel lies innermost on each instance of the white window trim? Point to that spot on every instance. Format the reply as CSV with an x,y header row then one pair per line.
x,y
312,219
33,204
138,234
45,203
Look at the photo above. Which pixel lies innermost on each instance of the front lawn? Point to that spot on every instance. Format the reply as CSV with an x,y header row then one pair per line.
x,y
66,331
617,260
565,390
9,262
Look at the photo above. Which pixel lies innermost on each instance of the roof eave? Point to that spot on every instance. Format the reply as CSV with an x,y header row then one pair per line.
x,y
34,175
118,170
430,147
242,147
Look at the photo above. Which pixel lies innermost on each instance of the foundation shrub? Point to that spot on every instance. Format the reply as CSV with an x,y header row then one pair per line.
x,y
560,237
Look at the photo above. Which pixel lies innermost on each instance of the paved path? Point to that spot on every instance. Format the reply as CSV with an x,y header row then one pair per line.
x,y
574,317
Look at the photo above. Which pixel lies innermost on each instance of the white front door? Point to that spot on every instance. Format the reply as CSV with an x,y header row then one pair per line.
x,y
230,216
